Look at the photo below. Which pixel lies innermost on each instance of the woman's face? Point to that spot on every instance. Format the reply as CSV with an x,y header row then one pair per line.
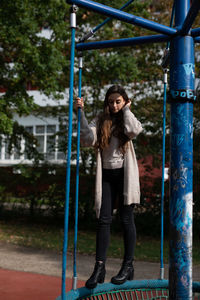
x,y
116,102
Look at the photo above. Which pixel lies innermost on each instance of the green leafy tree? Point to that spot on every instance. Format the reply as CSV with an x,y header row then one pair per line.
x,y
28,57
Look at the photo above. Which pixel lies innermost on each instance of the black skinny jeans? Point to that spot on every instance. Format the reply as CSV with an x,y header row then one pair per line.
x,y
112,191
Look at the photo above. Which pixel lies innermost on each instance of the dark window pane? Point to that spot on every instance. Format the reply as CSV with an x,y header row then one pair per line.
x,y
29,129
40,143
51,141
39,129
51,129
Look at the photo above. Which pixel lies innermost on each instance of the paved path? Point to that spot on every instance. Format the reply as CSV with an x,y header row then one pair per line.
x,y
46,262
36,275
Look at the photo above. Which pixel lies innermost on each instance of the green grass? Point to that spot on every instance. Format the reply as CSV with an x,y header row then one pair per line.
x,y
47,236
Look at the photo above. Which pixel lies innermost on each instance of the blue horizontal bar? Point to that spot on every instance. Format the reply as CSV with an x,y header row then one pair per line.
x,y
197,39
192,13
123,42
195,32
124,16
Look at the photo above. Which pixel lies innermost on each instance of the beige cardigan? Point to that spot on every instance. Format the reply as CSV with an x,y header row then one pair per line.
x,y
131,173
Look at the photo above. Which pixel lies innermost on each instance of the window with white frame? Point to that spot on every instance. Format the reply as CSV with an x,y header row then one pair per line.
x,y
46,140
47,144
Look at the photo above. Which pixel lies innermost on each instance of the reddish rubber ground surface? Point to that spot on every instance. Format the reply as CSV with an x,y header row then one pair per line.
x,y
15,285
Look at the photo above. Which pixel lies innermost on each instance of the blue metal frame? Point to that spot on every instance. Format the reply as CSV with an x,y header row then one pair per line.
x,y
123,42
123,16
195,32
190,17
197,39
182,96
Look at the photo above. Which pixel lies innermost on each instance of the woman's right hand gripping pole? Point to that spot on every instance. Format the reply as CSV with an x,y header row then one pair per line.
x,y
79,103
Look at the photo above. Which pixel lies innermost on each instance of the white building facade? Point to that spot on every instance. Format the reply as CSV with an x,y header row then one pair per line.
x,y
44,130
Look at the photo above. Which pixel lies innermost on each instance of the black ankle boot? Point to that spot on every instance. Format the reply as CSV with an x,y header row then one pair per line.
x,y
126,273
97,276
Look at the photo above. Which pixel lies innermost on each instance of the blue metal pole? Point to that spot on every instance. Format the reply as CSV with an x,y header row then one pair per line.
x,y
123,16
195,32
123,42
77,174
163,178
197,39
171,22
192,13
181,165
69,145
163,152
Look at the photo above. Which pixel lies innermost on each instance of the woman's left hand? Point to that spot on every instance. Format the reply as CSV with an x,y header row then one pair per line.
x,y
128,104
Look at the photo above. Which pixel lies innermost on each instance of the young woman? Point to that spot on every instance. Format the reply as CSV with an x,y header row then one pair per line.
x,y
117,177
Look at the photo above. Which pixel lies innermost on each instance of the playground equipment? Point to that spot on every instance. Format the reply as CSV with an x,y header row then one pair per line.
x,y
181,40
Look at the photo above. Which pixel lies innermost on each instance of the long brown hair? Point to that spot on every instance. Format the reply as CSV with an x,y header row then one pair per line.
x,y
112,124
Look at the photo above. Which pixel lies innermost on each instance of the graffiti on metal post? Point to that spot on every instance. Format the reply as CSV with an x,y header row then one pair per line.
x,y
189,69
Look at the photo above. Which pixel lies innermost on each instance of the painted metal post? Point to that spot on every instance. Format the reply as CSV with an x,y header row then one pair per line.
x,y
80,62
181,166
163,179
69,146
